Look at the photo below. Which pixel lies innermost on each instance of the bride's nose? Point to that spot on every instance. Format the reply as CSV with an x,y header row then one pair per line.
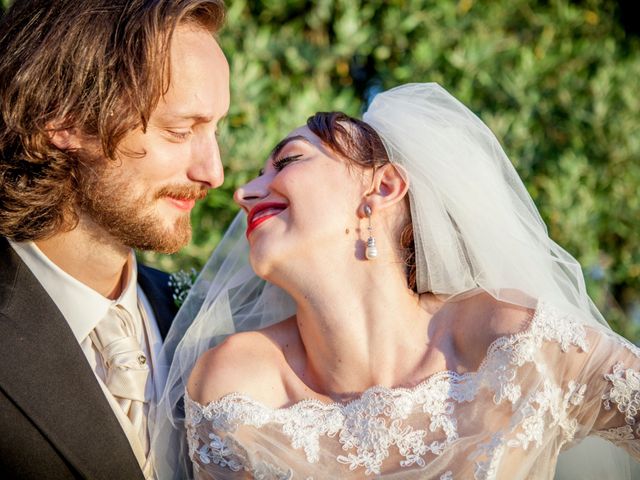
x,y
252,192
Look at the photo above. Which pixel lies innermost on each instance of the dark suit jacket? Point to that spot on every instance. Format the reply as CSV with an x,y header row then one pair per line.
x,y
55,422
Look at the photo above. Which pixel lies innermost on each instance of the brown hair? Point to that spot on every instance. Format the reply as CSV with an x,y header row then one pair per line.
x,y
358,142
99,66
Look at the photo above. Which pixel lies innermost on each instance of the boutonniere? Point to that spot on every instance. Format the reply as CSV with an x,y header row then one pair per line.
x,y
181,282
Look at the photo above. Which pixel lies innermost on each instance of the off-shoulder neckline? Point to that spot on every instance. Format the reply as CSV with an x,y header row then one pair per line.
x,y
425,384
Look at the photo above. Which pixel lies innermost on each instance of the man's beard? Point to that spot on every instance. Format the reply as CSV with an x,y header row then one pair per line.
x,y
107,198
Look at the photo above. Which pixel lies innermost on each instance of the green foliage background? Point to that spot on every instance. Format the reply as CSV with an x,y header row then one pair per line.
x,y
557,81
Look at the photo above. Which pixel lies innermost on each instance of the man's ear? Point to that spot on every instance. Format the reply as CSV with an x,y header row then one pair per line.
x,y
389,186
63,137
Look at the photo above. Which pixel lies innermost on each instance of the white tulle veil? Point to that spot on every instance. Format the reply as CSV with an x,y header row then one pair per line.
x,y
228,297
475,227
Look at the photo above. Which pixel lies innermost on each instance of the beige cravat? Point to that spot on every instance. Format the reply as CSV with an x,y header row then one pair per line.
x,y
116,338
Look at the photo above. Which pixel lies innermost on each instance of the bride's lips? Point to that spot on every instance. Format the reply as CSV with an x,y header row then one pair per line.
x,y
262,212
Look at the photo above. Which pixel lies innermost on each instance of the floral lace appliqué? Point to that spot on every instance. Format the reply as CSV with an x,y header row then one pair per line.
x,y
227,453
618,434
545,409
624,392
488,457
221,452
369,428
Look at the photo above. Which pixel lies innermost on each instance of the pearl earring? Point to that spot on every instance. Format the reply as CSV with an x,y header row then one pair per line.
x,y
372,251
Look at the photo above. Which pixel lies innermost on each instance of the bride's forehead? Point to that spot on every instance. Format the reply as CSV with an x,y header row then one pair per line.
x,y
300,133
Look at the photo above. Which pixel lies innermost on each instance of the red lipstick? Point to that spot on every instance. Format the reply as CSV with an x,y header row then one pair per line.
x,y
262,212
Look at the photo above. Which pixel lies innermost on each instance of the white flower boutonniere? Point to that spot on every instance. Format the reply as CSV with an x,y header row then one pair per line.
x,y
181,282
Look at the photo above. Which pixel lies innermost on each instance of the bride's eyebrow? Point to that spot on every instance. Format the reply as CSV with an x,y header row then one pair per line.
x,y
283,143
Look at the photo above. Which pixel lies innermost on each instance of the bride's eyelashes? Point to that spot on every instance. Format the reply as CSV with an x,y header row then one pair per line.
x,y
280,163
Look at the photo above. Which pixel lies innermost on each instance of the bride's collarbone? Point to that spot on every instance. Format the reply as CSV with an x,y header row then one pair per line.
x,y
478,322
268,365
461,333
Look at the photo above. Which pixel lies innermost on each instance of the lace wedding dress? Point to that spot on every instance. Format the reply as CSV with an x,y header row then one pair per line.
x,y
476,228
534,394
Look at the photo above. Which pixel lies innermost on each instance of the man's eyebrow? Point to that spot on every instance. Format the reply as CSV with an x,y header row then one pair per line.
x,y
283,143
196,117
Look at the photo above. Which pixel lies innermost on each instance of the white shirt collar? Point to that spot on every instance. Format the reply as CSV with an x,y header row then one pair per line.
x,y
80,305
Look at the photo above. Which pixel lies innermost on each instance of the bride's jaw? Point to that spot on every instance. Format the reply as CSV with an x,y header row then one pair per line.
x,y
352,313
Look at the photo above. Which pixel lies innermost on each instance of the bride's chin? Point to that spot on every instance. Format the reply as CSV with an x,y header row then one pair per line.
x,y
269,267
260,265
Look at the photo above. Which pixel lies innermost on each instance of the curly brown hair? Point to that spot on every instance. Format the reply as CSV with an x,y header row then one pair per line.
x,y
363,146
98,66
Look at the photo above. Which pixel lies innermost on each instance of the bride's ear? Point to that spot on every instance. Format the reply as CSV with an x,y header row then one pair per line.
x,y
389,186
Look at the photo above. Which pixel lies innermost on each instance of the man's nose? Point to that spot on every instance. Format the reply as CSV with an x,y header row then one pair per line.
x,y
206,164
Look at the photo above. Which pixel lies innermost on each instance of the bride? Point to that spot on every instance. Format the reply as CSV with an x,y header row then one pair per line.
x,y
404,315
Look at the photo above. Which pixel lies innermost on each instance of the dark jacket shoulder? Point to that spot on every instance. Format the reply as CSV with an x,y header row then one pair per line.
x,y
155,285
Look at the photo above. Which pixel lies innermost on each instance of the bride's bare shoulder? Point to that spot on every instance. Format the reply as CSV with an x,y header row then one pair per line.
x,y
482,319
250,363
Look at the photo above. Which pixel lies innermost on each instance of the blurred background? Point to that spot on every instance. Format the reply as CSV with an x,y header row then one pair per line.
x,y
558,82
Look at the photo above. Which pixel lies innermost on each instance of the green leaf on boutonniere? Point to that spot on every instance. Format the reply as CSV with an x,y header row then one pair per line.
x,y
181,282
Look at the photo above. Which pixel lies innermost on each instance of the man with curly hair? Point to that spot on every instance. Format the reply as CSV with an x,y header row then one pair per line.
x,y
108,118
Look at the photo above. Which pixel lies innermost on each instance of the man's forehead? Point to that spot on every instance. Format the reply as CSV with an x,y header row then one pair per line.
x,y
198,89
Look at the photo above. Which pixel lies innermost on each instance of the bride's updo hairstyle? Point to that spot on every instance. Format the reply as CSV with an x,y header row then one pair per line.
x,y
359,143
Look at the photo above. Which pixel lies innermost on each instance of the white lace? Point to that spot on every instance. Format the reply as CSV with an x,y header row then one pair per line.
x,y
228,453
625,393
487,458
368,427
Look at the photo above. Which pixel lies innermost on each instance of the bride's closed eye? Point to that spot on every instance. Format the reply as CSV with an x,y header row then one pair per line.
x,y
280,163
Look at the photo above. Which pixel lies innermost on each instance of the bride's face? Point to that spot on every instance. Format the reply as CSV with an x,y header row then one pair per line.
x,y
302,208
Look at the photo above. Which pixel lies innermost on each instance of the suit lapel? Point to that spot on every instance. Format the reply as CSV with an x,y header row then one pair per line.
x,y
44,371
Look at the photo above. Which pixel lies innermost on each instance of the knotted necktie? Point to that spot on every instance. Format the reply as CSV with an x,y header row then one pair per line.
x,y
116,338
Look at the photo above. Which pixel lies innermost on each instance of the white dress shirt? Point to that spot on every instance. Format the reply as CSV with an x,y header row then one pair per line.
x,y
83,308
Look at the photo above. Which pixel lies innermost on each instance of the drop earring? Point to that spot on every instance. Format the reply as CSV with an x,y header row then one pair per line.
x,y
372,251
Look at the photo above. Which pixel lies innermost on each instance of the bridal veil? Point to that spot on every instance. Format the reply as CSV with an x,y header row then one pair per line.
x,y
475,227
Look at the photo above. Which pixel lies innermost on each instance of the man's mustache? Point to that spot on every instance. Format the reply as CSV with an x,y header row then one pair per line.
x,y
183,192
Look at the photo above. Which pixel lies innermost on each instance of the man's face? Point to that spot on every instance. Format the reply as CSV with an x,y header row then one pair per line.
x,y
144,200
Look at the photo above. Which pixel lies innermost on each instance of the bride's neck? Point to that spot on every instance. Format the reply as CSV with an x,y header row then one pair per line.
x,y
368,329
